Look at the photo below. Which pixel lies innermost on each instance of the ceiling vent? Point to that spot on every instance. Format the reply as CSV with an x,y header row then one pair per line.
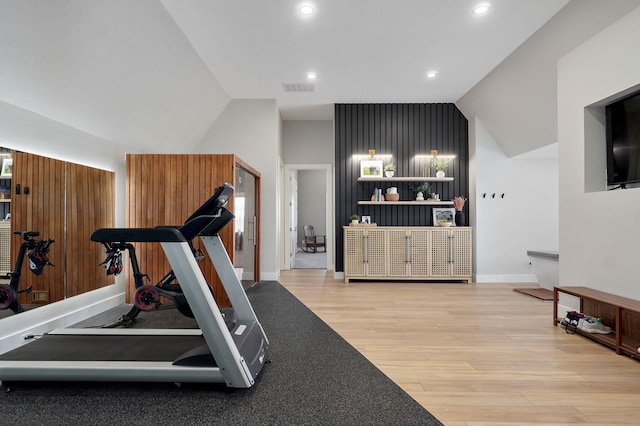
x,y
298,87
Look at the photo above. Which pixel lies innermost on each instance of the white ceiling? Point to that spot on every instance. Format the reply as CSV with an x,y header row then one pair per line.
x,y
154,75
362,50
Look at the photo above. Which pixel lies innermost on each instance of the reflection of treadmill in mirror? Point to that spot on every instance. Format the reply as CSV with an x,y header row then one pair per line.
x,y
211,354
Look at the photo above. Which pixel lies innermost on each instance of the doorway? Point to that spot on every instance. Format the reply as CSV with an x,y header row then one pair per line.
x,y
309,201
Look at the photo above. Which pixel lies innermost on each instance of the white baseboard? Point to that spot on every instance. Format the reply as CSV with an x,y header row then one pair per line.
x,y
269,276
506,278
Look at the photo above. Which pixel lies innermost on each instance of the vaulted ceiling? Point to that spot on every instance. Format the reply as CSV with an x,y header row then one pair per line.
x,y
157,73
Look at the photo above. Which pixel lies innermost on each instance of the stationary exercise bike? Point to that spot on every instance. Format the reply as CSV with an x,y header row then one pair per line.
x,y
149,297
38,254
146,297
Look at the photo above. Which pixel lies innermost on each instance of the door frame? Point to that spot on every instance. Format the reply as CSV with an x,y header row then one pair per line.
x,y
285,263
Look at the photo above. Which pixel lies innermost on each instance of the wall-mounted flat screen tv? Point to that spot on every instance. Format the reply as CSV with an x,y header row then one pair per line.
x,y
623,141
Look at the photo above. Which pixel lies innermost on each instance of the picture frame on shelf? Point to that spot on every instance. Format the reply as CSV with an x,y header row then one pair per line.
x,y
444,216
7,168
371,168
366,220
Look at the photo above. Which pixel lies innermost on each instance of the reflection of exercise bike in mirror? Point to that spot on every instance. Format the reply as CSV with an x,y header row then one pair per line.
x,y
38,253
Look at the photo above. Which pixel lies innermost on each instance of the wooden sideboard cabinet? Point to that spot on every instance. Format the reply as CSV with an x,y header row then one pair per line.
x,y
407,253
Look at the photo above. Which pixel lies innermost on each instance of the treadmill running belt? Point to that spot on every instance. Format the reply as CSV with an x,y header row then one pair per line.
x,y
104,348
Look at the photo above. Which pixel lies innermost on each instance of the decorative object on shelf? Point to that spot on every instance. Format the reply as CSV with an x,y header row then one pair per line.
x,y
354,219
458,205
389,170
420,189
7,167
439,164
443,216
392,194
370,168
366,220
377,195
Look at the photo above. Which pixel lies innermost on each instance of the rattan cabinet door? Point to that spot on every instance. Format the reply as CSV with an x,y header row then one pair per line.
x,y
354,261
440,254
399,253
376,252
419,256
461,250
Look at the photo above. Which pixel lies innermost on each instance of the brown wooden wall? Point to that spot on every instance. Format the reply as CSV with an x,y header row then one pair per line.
x,y
90,205
65,202
165,190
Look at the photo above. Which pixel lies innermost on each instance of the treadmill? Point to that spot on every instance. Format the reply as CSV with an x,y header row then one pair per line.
x,y
214,353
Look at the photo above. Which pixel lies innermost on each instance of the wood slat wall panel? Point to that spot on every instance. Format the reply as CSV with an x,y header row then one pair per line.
x,y
165,190
66,202
39,210
43,209
402,130
90,205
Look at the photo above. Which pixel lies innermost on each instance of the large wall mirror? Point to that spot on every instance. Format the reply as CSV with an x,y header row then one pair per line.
x,y
63,202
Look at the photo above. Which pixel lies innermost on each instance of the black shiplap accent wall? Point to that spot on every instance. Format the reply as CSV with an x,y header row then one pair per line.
x,y
402,130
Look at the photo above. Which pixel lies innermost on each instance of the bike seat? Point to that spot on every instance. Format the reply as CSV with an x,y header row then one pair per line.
x,y
27,234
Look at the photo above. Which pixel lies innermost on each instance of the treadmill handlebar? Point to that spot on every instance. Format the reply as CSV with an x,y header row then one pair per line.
x,y
218,199
159,234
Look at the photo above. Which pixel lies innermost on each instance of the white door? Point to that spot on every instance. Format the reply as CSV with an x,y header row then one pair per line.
x,y
293,217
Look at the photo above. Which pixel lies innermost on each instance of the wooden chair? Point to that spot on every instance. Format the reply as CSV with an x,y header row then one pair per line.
x,y
312,241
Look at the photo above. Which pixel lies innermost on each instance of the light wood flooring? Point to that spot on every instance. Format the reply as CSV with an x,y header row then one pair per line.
x,y
476,354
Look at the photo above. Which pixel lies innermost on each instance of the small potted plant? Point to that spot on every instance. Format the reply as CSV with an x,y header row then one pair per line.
x,y
354,219
389,170
420,189
439,165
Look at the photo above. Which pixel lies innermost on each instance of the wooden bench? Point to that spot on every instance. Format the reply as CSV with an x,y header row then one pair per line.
x,y
620,313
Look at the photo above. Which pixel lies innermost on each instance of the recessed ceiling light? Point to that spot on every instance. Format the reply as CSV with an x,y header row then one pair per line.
x,y
306,10
481,9
431,74
311,75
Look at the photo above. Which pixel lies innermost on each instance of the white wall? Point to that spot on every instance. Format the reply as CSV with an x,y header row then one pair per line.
x,y
599,230
517,100
308,142
308,145
251,130
122,71
525,219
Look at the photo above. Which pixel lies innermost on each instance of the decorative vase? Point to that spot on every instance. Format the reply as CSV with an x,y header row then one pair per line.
x,y
355,222
419,196
440,174
389,173
459,218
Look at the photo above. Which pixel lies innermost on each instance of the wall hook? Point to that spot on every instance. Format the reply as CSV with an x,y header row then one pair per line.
x,y
502,196
494,195
484,195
